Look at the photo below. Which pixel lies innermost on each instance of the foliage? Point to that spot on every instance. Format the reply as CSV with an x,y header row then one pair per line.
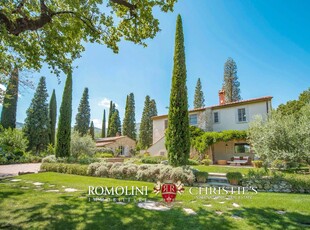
x,y
111,112
104,155
201,177
146,126
192,162
294,107
52,118
115,126
49,159
152,173
282,137
103,129
206,161
63,137
129,123
82,118
234,176
12,142
36,126
82,145
231,84
92,130
8,113
257,163
153,160
104,150
177,133
55,32
199,99
76,169
279,164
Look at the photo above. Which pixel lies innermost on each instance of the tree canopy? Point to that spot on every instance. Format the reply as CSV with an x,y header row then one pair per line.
x,y
55,31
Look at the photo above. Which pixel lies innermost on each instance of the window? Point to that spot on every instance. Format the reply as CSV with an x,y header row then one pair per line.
x,y
242,115
216,117
242,148
166,124
162,153
193,120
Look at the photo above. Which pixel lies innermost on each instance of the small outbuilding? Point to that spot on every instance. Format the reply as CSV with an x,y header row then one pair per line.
x,y
120,145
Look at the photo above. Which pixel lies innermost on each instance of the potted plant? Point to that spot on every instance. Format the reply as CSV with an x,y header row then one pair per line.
x,y
234,177
201,176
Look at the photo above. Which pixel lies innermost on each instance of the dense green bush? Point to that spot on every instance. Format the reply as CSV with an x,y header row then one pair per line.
x,y
82,145
153,160
206,161
192,162
76,169
279,164
82,159
201,177
234,176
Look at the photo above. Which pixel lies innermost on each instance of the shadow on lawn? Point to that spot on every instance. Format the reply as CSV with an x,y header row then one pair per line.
x,y
268,218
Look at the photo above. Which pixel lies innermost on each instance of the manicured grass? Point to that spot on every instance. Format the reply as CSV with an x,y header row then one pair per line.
x,y
223,169
24,205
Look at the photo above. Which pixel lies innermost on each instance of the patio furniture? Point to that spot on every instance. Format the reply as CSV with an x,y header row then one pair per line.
x,y
237,160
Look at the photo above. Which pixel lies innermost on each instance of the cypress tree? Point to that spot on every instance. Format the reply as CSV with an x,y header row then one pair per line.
x,y
52,118
177,133
115,127
152,113
144,137
37,123
92,130
111,111
103,134
199,98
231,85
82,118
129,123
64,125
8,113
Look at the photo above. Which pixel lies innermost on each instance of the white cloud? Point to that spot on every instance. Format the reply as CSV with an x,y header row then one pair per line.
x,y
105,102
97,123
2,87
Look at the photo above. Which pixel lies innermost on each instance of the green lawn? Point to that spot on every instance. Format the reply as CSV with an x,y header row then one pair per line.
x,y
223,169
23,206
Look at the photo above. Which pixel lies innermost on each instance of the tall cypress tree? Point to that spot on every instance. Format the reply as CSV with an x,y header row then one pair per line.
x,y
92,130
231,85
37,123
129,123
64,124
199,98
52,118
111,112
152,113
115,127
82,118
103,132
8,114
177,133
144,136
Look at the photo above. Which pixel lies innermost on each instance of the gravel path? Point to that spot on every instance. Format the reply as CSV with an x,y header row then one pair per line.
x,y
14,169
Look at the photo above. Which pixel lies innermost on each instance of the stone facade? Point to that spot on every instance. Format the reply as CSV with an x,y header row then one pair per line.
x,y
122,144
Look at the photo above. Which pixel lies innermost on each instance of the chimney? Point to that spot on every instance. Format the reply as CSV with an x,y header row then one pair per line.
x,y
222,97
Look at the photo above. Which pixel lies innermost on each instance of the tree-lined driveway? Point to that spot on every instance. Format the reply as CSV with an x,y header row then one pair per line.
x,y
14,169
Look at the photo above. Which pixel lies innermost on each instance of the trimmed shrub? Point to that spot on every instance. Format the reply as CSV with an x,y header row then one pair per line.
x,y
206,162
153,160
201,177
104,155
65,168
49,159
279,164
234,176
192,162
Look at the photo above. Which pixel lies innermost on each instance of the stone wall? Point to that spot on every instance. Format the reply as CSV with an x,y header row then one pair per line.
x,y
270,184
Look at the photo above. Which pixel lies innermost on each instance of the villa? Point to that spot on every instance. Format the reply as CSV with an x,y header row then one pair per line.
x,y
224,116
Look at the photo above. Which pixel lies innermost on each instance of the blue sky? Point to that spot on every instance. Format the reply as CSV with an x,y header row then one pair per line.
x,y
269,40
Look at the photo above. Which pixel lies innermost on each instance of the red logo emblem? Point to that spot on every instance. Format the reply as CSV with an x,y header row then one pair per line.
x,y
169,191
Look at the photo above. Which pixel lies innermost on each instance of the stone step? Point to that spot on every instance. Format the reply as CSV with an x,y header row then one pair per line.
x,y
216,174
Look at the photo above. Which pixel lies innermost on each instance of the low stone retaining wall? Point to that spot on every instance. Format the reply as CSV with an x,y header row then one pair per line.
x,y
272,185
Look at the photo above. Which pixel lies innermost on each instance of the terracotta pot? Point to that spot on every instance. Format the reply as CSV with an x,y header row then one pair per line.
x,y
233,182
